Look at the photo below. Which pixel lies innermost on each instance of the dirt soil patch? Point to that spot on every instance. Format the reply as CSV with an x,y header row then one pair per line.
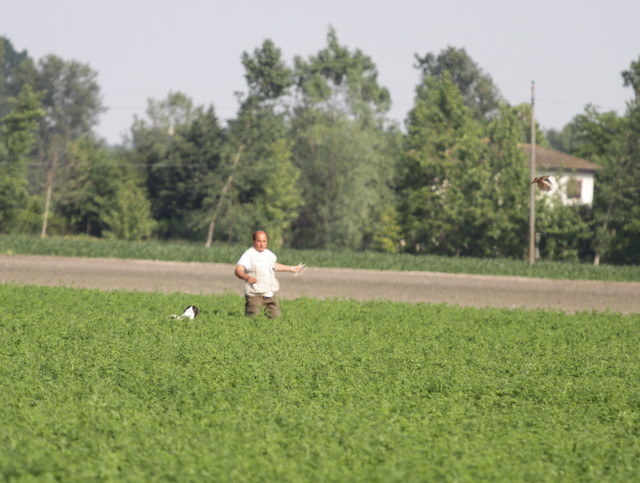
x,y
417,287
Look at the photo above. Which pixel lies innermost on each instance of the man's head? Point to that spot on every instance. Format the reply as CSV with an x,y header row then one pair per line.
x,y
260,240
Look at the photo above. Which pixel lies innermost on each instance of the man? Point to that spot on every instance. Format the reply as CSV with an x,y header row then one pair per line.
x,y
257,267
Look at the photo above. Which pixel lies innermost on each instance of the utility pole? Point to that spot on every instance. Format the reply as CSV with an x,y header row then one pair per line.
x,y
532,187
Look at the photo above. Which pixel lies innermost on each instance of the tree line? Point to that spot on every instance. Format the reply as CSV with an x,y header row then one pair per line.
x,y
312,157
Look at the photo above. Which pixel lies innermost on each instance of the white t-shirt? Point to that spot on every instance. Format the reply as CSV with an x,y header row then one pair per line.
x,y
261,265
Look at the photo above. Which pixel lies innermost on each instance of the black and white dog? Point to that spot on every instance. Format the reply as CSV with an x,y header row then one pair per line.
x,y
191,312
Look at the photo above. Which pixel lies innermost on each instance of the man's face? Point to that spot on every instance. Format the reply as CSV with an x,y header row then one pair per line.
x,y
260,242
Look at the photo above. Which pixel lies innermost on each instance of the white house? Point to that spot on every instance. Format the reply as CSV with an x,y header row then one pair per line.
x,y
572,177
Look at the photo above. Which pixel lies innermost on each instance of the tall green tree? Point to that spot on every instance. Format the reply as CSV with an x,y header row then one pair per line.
x,y
462,184
504,197
344,150
73,104
562,139
340,80
195,166
101,195
613,143
564,230
179,148
16,70
599,138
278,201
478,90
150,140
87,183
346,183
165,115
128,215
18,136
628,227
19,127
266,73
523,113
439,166
262,181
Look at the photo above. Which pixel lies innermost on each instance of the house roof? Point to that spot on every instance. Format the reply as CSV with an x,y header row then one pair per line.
x,y
553,159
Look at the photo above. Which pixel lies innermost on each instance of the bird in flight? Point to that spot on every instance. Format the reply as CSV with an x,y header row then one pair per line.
x,y
543,182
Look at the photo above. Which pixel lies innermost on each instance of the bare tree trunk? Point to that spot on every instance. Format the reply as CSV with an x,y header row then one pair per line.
x,y
55,154
47,204
225,188
49,195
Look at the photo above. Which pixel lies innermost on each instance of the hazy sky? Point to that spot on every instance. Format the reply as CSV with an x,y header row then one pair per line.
x,y
574,50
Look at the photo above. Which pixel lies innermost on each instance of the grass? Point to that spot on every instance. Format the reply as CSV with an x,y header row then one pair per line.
x,y
102,386
222,253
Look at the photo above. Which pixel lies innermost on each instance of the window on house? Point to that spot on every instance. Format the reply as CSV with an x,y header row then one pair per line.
x,y
574,188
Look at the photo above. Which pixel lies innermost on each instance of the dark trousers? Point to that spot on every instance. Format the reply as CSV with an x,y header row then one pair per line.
x,y
255,304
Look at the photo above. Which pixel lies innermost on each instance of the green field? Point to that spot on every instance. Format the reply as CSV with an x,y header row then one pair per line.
x,y
103,386
223,253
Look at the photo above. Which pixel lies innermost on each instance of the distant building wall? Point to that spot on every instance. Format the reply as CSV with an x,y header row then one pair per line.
x,y
572,177
574,188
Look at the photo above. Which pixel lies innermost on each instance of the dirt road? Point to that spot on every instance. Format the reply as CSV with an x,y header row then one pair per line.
x,y
214,278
